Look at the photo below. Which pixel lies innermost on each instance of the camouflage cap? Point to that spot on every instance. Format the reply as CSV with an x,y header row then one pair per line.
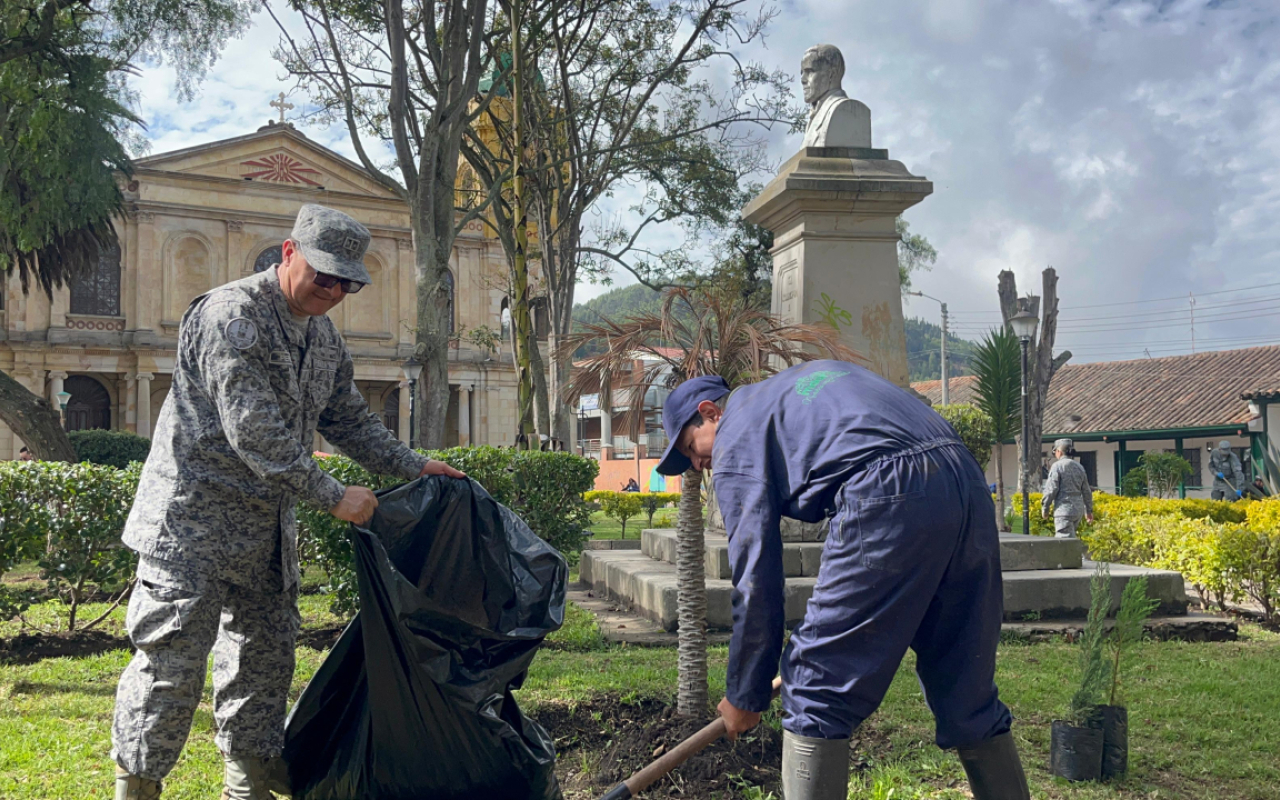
x,y
1063,444
332,242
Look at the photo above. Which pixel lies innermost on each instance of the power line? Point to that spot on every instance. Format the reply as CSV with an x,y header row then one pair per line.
x,y
1134,302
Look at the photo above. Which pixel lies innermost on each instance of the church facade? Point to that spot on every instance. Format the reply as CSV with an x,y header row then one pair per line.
x,y
204,216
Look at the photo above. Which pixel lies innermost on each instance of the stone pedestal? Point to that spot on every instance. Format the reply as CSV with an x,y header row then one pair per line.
x,y
832,211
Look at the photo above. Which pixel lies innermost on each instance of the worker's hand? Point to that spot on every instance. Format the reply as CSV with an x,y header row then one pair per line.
x,y
440,468
736,720
1239,494
1089,518
357,505
1223,477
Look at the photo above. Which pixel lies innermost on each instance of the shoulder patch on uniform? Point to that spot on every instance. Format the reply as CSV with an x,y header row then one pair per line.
x,y
241,333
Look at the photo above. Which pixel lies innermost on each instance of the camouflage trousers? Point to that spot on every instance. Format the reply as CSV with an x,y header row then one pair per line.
x,y
1064,525
175,621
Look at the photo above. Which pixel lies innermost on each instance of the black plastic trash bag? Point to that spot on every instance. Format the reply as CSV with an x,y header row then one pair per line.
x,y
414,702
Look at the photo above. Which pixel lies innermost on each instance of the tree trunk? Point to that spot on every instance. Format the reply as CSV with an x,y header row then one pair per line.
x,y
34,420
432,339
997,452
1043,365
691,600
557,379
541,407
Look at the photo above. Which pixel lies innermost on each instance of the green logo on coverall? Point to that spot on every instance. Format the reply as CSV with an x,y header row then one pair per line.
x,y
809,386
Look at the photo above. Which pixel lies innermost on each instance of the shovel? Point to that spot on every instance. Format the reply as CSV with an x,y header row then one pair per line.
x,y
637,783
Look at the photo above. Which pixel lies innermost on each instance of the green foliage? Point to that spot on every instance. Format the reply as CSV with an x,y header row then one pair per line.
x,y
997,366
1040,525
974,427
924,351
1135,609
619,506
652,501
69,518
112,448
1163,471
1094,668
1134,483
544,489
914,253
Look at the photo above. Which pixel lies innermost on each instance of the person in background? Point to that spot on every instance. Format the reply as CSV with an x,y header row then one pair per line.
x,y
631,486
1228,477
26,455
1067,492
1260,489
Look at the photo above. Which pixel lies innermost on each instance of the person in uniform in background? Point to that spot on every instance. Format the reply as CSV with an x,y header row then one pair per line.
x,y
1067,492
1228,477
26,455
259,370
1260,489
912,559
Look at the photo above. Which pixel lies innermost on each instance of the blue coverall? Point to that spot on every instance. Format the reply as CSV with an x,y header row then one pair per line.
x,y
911,558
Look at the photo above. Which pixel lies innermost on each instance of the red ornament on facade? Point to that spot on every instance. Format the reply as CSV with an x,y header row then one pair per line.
x,y
280,168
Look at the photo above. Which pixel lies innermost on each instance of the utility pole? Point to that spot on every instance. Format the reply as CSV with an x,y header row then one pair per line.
x,y
946,383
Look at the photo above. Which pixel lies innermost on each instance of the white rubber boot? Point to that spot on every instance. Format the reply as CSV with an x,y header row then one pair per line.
x,y
131,787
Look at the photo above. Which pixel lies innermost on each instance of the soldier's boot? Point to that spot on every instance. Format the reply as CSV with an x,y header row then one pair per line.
x,y
131,787
254,779
814,769
995,770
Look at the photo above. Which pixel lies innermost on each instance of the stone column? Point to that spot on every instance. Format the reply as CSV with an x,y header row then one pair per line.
x,y
150,280
832,211
464,414
233,266
143,424
56,379
130,403
606,430
403,433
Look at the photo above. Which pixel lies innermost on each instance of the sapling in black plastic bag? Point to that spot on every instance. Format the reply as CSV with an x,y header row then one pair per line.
x,y
1112,718
1075,750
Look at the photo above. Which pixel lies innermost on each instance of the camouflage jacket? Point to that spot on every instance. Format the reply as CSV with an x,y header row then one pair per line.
x,y
231,452
1067,490
1227,463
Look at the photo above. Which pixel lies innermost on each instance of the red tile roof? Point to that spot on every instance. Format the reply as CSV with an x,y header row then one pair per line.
x,y
1192,391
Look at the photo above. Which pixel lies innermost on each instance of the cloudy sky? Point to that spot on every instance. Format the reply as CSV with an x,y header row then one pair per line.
x,y
1132,145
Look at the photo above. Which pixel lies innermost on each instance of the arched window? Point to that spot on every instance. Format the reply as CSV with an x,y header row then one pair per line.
x,y
268,258
504,323
448,279
98,293
391,411
89,407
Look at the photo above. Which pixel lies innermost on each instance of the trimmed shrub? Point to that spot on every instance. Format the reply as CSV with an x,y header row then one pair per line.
x,y
112,448
544,488
974,427
652,501
69,518
620,506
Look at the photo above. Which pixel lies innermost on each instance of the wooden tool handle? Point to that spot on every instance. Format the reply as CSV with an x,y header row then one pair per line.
x,y
682,752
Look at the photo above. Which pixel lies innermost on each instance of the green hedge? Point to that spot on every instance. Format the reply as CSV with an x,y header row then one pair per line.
x,y
113,448
974,427
544,488
68,518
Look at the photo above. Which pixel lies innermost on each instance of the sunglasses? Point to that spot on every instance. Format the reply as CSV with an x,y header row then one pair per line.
x,y
329,281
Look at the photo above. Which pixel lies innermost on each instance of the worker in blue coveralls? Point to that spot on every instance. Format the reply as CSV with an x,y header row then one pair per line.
x,y
911,559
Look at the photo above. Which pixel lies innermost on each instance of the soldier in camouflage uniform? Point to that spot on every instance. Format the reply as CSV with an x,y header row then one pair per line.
x,y
1067,492
1228,477
259,370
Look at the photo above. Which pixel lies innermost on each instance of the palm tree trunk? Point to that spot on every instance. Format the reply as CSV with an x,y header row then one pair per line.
x,y
998,455
691,600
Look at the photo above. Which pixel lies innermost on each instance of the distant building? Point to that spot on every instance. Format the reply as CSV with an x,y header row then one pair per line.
x,y
1116,410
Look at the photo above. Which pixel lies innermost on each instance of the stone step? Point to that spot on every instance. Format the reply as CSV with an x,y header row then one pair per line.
x,y
802,559
648,586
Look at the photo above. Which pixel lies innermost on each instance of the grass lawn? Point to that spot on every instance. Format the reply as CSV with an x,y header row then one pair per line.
x,y
1204,718
604,528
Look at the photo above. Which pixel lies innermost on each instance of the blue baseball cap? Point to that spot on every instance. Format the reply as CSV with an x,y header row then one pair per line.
x,y
681,408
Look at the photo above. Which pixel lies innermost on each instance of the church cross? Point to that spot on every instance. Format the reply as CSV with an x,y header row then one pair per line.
x,y
282,105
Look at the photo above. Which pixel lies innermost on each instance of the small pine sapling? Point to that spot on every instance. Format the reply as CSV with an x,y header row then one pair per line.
x,y
1094,666
1135,609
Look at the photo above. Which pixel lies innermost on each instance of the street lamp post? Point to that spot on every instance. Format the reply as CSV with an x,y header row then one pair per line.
x,y
412,370
64,397
1024,327
946,383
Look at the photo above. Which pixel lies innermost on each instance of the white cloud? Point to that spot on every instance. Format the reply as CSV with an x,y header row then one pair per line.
x,y
1133,144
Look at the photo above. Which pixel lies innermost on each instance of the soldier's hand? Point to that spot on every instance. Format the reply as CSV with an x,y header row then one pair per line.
x,y
1089,517
441,468
357,505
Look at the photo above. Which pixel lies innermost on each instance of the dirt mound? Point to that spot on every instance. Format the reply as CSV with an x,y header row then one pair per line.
x,y
28,648
601,743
